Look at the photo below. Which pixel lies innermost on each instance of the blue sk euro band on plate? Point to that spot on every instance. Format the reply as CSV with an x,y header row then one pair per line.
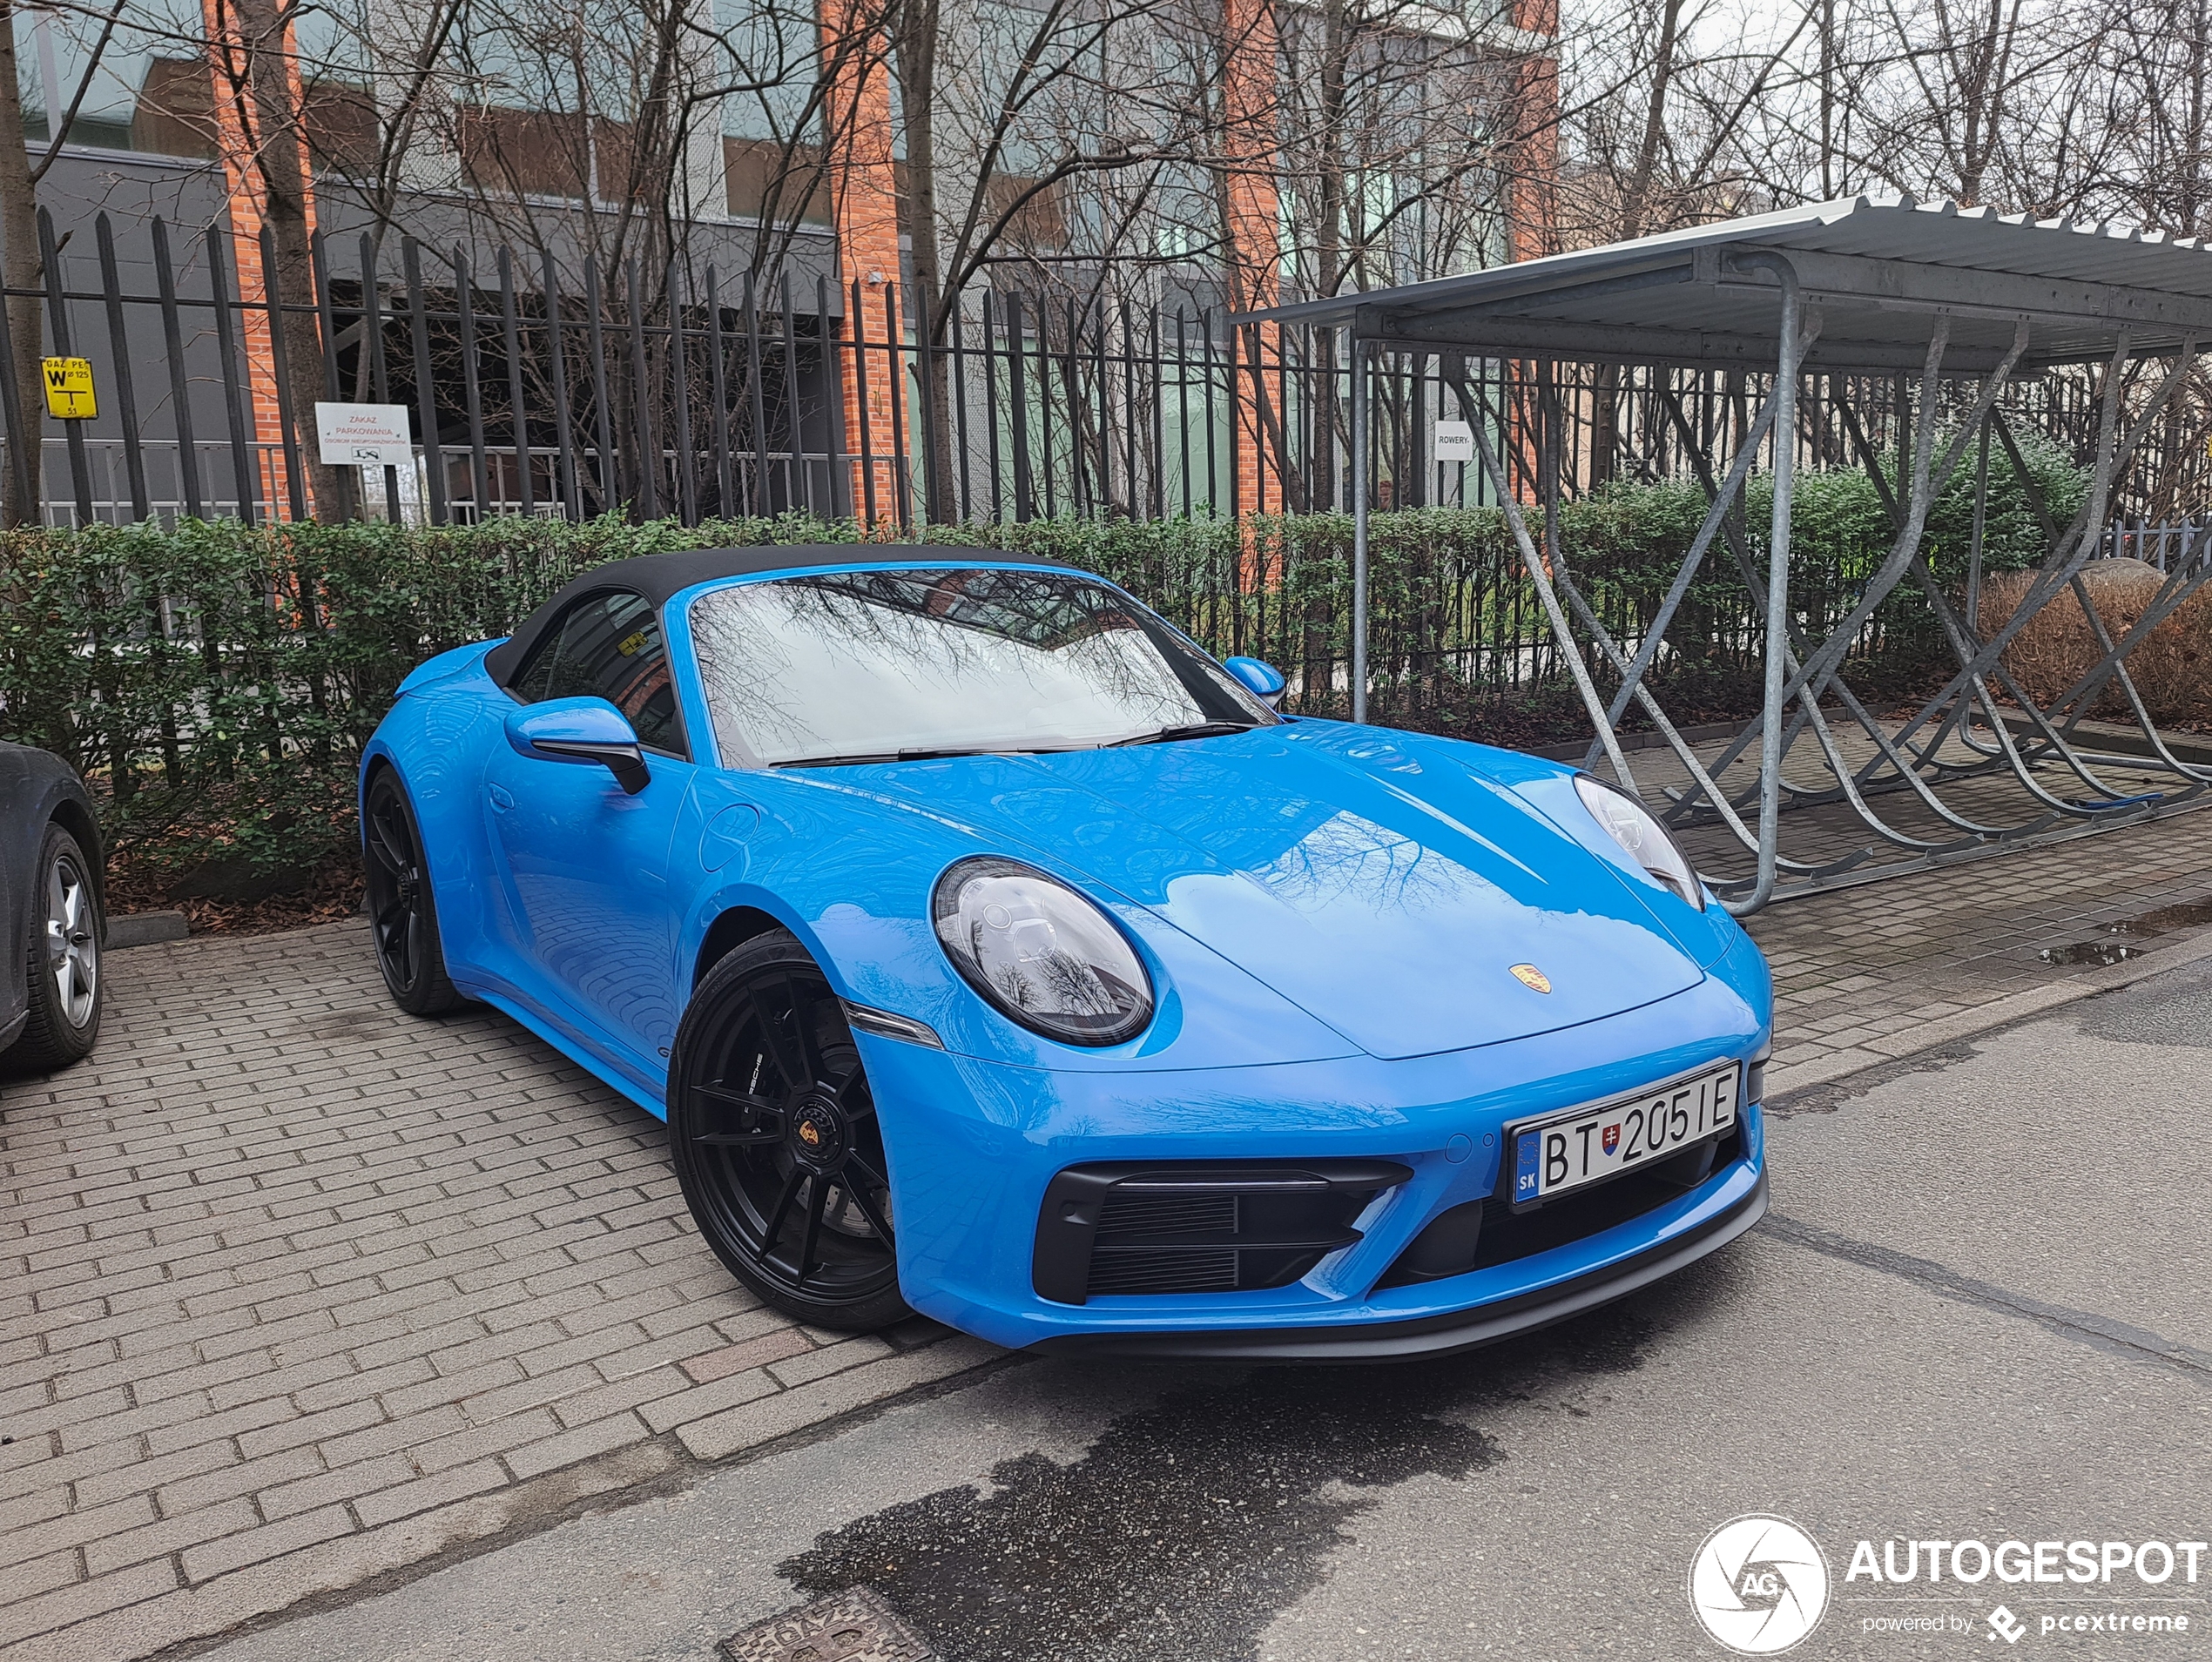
x,y
994,953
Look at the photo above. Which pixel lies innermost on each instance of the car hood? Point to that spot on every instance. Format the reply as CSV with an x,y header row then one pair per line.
x,y
1380,881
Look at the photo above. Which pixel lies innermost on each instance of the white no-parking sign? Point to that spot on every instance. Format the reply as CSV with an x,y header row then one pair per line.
x,y
364,436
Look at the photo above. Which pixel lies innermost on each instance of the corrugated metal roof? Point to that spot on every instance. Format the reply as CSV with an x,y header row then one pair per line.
x,y
1879,273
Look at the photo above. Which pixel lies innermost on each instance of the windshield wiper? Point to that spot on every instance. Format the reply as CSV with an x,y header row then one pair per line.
x,y
1188,729
1158,736
873,758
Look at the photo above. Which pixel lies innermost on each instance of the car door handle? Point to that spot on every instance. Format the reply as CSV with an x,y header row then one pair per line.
x,y
500,800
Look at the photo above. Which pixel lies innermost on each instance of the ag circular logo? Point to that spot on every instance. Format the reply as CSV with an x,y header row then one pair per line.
x,y
1758,1584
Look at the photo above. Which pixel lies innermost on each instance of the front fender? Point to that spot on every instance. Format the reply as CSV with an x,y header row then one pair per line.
x,y
435,742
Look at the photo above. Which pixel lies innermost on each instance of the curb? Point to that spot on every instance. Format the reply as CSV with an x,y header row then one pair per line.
x,y
1999,1012
145,929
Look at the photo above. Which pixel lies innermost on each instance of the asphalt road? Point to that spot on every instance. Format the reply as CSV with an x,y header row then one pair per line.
x,y
1980,1310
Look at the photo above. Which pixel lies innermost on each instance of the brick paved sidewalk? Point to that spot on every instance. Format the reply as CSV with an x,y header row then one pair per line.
x,y
299,1292
1859,974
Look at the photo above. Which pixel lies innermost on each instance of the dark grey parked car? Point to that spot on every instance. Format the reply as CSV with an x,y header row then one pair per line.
x,y
51,880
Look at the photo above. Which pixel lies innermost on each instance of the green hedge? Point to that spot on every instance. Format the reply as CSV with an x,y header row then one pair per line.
x,y
216,682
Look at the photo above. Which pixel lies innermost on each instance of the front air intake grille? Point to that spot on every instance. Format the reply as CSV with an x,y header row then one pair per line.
x,y
1511,1235
1124,1216
1491,1233
1214,1229
1144,1270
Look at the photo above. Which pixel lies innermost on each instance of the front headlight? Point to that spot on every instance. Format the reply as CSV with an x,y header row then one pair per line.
x,y
1041,952
1642,837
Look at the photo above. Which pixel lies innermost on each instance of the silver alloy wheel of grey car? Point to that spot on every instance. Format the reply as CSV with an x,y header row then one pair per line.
x,y
60,943
72,939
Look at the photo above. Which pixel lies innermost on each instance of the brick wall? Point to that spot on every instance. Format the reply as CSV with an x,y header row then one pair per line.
x,y
1253,263
238,127
864,206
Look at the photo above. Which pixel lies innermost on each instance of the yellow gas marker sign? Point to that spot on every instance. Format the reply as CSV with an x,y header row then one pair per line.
x,y
69,389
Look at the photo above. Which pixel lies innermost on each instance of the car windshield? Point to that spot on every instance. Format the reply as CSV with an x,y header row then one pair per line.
x,y
874,666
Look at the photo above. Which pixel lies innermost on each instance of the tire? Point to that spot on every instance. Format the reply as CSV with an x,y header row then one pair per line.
x,y
403,912
62,967
777,1142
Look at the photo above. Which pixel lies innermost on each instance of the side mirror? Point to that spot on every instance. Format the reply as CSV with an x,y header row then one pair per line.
x,y
590,731
1260,678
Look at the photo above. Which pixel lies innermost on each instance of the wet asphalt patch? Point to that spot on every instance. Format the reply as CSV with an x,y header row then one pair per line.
x,y
1188,1526
2172,1009
1826,1099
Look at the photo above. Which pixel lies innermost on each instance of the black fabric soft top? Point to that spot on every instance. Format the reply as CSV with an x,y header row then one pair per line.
x,y
658,577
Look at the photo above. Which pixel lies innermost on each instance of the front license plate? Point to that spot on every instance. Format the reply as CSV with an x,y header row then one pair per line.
x,y
1591,1143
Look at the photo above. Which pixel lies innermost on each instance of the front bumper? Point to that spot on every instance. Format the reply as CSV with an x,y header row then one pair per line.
x,y
973,1146
1436,1336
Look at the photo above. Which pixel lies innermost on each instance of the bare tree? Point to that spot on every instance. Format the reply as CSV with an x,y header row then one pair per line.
x,y
21,262
258,84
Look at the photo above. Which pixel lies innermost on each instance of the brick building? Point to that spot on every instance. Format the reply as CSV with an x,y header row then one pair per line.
x,y
799,179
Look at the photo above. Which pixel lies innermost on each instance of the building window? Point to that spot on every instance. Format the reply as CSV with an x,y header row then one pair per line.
x,y
342,128
175,112
767,182
1040,222
524,152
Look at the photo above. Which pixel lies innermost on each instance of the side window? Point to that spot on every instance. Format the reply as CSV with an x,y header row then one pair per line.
x,y
609,647
529,681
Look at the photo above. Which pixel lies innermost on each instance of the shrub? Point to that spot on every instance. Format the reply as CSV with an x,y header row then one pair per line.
x,y
217,682
2171,667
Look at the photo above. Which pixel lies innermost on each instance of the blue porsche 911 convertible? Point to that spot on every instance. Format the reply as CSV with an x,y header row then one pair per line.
x,y
994,953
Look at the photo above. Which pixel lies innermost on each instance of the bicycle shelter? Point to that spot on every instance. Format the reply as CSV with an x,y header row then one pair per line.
x,y
1951,309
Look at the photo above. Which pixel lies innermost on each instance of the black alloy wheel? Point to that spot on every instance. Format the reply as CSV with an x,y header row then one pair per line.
x,y
777,1141
402,914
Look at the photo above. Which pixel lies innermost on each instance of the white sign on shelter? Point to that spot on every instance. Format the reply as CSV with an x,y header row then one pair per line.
x,y
364,436
1454,441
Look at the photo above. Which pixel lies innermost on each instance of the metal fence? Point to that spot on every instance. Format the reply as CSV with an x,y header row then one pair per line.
x,y
700,393
2177,546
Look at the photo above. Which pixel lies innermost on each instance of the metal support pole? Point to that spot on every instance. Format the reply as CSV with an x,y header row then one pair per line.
x,y
80,472
571,492
241,421
126,398
1533,563
1777,583
1981,521
1359,466
426,392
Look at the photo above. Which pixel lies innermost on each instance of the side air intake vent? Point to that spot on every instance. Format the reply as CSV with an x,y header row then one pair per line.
x,y
1211,1228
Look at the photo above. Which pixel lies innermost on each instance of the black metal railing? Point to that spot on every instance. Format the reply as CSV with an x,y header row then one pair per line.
x,y
696,394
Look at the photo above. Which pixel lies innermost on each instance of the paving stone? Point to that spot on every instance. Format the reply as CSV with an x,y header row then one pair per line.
x,y
753,1353
28,1541
170,1535
213,1558
20,1617
665,1413
326,1488
43,1575
427,1493
829,1359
